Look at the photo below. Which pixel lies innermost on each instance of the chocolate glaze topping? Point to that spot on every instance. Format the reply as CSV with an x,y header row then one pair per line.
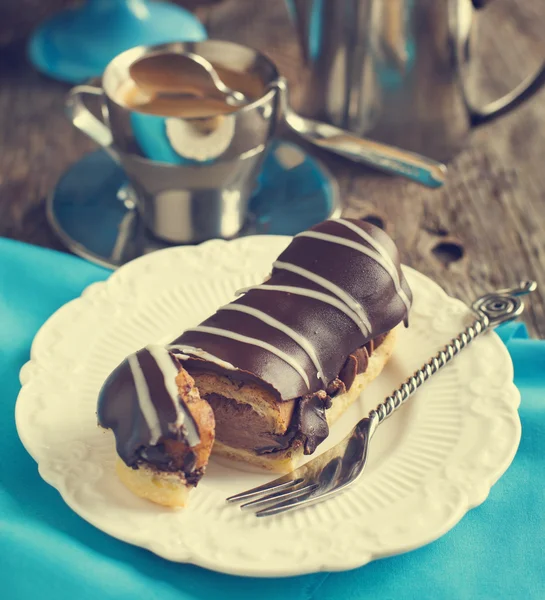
x,y
304,334
332,334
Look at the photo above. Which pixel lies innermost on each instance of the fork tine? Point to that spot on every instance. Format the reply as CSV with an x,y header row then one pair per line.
x,y
281,483
280,496
298,502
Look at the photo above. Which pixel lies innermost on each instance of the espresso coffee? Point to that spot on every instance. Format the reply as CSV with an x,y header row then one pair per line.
x,y
190,106
191,100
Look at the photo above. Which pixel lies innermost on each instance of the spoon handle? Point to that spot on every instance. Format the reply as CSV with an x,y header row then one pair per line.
x,y
383,157
386,158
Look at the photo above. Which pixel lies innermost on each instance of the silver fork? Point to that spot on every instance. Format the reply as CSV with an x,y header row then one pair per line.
x,y
337,469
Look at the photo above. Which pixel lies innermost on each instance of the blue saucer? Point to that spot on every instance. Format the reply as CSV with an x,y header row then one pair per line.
x,y
93,213
77,43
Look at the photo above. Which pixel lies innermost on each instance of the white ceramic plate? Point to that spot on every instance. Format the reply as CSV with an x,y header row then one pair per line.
x,y
433,460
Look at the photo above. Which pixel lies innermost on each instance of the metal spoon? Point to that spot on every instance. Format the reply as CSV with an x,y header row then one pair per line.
x,y
173,73
383,157
386,158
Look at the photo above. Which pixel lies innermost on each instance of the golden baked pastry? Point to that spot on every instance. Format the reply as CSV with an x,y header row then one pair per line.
x,y
277,365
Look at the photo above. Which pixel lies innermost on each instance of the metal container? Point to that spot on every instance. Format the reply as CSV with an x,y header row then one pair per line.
x,y
396,71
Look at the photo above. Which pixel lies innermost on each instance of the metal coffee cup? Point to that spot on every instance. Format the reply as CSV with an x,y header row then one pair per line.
x,y
192,177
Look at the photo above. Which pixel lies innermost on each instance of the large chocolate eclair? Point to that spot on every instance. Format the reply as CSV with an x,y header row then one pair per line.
x,y
280,363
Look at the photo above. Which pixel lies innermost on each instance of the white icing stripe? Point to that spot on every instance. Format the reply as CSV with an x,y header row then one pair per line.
x,y
382,251
334,239
330,287
368,238
254,342
161,356
298,291
199,353
272,322
144,399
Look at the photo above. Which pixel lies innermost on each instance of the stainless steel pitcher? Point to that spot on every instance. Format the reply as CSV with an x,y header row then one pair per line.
x,y
396,70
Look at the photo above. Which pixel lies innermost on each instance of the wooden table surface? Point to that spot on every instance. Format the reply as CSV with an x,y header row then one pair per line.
x,y
483,230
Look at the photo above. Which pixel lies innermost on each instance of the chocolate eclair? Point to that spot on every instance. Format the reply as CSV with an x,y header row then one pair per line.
x,y
164,431
282,361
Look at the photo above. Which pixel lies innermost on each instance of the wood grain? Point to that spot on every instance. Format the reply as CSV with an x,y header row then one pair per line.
x,y
483,230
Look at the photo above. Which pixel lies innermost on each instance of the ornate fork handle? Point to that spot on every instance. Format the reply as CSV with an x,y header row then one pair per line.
x,y
492,310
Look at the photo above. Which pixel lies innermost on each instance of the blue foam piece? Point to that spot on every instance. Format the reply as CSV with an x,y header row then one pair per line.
x,y
77,44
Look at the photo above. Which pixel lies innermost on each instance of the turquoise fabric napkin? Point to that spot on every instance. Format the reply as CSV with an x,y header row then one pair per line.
x,y
47,551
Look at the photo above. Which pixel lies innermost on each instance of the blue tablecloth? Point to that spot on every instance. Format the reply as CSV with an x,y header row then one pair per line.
x,y
48,552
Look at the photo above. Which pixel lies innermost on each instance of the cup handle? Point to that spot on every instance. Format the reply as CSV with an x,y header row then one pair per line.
x,y
85,120
512,99
280,84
